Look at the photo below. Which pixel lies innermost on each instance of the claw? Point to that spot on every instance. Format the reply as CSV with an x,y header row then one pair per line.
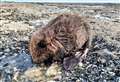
x,y
84,54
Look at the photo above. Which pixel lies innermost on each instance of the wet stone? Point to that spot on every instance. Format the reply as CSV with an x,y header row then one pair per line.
x,y
52,81
111,74
35,74
13,48
53,70
0,42
118,79
6,54
1,53
7,50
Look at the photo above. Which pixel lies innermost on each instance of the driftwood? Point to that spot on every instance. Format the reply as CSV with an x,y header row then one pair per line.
x,y
62,37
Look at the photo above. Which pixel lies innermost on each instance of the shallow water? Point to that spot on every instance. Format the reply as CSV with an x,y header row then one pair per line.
x,y
20,62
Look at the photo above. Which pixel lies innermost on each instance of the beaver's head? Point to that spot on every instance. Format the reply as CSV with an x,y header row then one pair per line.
x,y
43,47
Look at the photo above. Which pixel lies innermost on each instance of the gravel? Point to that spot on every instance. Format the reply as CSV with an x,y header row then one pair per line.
x,y
102,63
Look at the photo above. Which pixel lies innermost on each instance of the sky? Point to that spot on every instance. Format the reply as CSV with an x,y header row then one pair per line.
x,y
69,1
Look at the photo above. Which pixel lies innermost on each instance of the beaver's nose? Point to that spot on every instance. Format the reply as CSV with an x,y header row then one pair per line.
x,y
42,44
48,61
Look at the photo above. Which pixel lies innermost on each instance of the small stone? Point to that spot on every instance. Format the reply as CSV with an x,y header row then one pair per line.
x,y
118,79
108,69
16,75
58,78
112,73
78,80
53,70
13,48
51,81
14,39
7,50
18,48
1,53
80,64
35,73
9,70
103,60
0,42
2,57
15,54
6,54
26,38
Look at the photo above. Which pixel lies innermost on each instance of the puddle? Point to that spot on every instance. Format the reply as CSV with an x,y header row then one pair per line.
x,y
8,66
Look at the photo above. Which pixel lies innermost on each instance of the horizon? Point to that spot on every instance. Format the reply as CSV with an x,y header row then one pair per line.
x,y
65,1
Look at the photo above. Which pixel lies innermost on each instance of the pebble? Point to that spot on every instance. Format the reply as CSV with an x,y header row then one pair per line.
x,y
80,64
2,57
0,42
118,79
18,48
35,73
53,70
57,77
51,81
16,75
78,80
103,60
15,54
6,54
13,48
112,74
36,23
7,50
1,53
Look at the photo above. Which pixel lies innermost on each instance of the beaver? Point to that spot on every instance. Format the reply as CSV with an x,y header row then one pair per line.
x,y
60,38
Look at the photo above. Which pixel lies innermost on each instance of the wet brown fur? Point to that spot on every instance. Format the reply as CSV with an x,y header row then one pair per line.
x,y
66,33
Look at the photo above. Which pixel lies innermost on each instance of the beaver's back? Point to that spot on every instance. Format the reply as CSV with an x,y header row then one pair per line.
x,y
66,33
70,30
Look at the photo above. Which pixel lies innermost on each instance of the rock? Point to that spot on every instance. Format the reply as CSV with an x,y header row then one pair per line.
x,y
15,54
111,74
36,74
13,48
7,50
57,77
2,57
51,81
102,60
80,64
53,70
26,38
36,23
0,42
1,53
118,79
6,54
16,76
78,80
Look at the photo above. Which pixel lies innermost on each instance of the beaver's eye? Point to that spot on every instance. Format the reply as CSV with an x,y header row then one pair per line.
x,y
42,44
